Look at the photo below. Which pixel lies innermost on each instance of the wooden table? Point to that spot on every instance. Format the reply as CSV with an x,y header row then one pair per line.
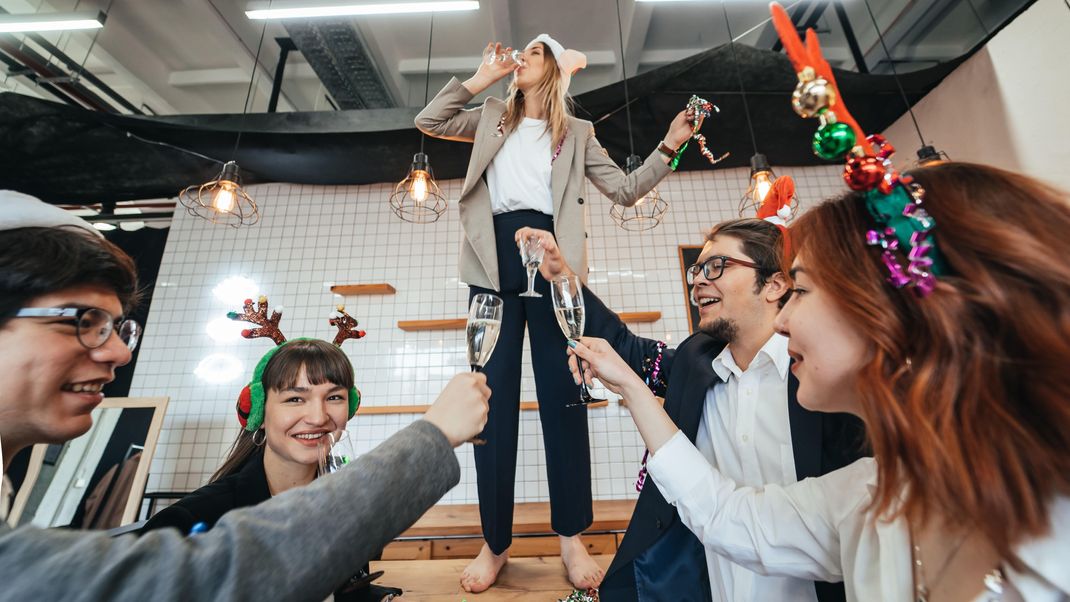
x,y
522,580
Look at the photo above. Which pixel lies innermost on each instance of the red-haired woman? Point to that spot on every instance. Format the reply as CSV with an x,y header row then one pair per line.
x,y
964,393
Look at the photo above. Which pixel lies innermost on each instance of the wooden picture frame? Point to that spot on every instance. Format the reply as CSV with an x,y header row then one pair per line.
x,y
689,257
31,488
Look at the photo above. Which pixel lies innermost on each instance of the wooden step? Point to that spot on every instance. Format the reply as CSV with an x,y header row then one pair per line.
x,y
540,579
529,517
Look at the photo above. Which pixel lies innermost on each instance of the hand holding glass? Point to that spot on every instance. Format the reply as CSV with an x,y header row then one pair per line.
x,y
567,293
484,324
531,253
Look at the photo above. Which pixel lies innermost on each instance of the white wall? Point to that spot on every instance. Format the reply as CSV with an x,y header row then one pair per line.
x,y
1007,105
310,236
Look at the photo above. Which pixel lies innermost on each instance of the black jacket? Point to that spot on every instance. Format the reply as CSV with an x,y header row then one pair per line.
x,y
247,487
670,559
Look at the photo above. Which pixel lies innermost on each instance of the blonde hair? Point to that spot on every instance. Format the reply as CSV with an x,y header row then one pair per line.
x,y
556,105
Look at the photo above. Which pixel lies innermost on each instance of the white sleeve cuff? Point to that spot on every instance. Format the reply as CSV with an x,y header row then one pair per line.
x,y
675,467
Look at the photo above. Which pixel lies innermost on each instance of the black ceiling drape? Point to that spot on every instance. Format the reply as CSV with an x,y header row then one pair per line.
x,y
64,154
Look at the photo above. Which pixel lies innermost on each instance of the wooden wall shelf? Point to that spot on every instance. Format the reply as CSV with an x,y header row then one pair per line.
x,y
419,325
350,290
629,317
526,406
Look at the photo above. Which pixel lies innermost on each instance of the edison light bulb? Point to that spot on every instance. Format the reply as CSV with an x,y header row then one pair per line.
x,y
418,186
760,186
224,199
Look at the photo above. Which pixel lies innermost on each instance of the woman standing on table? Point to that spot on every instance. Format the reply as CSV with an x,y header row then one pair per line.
x,y
529,161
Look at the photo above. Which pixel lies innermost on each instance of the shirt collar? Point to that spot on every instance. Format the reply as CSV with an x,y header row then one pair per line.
x,y
775,349
1046,556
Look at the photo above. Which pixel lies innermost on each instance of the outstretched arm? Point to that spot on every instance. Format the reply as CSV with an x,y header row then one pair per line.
x,y
792,530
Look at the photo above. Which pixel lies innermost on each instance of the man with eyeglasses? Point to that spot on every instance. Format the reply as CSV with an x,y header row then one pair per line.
x,y
63,293
729,389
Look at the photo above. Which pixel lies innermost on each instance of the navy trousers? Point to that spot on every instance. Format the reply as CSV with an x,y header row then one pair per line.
x,y
564,430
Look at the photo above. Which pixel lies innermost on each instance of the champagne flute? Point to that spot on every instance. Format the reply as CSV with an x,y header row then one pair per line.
x,y
338,450
567,293
481,334
531,253
514,57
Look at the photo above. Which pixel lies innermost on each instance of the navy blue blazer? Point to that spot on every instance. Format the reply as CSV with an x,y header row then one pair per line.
x,y
659,558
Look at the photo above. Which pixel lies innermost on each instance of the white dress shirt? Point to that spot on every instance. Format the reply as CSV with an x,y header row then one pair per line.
x,y
821,528
519,174
746,434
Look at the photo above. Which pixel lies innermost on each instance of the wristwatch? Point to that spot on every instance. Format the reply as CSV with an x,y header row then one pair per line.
x,y
666,150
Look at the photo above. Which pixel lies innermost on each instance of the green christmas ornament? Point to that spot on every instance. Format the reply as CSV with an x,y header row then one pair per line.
x,y
833,140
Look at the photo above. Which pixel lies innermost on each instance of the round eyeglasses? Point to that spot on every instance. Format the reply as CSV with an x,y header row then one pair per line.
x,y
93,326
713,268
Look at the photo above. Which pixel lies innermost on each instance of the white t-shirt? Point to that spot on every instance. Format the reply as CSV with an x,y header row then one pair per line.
x,y
519,174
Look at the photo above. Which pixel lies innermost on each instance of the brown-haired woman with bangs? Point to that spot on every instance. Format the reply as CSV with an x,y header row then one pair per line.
x,y
965,394
530,160
307,384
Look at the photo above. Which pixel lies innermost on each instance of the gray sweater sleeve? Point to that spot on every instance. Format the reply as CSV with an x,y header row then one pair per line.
x,y
299,545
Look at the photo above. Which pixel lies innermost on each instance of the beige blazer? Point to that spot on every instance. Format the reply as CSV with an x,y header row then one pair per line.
x,y
581,156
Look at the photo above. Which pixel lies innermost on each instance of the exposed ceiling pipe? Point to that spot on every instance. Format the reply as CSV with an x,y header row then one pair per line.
x,y
39,65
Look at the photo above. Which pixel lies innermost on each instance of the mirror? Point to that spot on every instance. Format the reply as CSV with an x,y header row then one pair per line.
x,y
97,480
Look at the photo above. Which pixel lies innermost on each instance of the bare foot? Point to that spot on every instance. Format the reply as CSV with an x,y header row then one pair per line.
x,y
481,573
583,571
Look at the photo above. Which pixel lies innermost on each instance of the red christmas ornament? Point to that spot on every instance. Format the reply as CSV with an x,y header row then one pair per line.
x,y
864,173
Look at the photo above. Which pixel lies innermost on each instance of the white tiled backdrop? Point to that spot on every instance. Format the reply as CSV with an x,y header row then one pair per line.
x,y
311,237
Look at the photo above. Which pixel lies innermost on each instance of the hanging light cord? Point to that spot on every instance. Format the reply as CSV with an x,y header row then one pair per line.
x,y
249,91
624,78
427,72
739,76
895,72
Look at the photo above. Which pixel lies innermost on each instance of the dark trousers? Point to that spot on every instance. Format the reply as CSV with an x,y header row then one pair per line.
x,y
564,430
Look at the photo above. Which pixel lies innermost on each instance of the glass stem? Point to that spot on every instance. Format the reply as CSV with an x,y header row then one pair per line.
x,y
531,280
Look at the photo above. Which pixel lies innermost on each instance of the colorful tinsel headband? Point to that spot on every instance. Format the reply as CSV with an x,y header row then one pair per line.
x,y
894,201
250,406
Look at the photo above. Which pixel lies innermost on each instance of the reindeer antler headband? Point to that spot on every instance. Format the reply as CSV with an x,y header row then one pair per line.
x,y
894,201
251,400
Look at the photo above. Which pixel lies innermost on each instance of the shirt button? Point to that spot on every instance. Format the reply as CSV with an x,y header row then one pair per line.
x,y
750,391
746,438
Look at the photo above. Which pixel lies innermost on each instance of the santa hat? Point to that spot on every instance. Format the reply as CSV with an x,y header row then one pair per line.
x,y
18,210
570,61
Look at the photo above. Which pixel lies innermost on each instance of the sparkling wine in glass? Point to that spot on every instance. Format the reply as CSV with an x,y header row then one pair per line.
x,y
481,334
531,253
567,294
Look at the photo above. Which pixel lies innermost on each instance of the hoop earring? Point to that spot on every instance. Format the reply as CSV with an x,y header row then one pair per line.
x,y
259,431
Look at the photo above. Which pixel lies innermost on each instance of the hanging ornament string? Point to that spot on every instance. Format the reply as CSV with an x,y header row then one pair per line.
x,y
698,109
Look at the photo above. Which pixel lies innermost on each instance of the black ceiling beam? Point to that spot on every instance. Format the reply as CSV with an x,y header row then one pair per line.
x,y
286,46
852,40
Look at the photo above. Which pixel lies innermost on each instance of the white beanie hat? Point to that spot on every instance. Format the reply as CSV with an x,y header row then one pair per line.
x,y
18,210
570,61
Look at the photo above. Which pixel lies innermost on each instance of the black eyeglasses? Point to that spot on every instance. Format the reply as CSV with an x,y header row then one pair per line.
x,y
93,326
713,267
